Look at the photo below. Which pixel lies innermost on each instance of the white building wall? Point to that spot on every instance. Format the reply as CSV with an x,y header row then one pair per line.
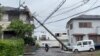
x,y
23,17
5,17
51,43
95,29
95,24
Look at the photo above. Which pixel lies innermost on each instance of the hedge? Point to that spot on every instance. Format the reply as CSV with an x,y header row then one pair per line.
x,y
11,47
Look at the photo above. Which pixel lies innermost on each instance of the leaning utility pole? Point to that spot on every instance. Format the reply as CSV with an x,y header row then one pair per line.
x,y
50,32
42,24
48,18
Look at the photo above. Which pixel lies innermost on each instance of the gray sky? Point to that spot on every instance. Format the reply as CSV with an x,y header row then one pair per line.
x,y
44,7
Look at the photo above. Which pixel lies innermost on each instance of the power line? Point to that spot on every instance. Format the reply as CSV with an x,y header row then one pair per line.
x,y
74,15
48,7
65,7
70,5
66,11
70,9
94,3
55,10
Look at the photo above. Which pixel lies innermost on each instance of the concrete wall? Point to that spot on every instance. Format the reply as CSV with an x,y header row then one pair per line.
x,y
5,17
51,43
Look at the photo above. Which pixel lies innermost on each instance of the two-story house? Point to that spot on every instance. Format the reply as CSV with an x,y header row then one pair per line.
x,y
84,27
9,14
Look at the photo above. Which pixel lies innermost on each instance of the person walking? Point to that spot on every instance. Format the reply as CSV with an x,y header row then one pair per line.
x,y
46,47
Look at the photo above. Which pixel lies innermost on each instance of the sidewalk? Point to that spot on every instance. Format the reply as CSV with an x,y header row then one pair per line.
x,y
29,51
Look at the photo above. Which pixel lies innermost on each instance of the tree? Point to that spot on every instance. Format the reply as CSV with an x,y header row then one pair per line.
x,y
20,28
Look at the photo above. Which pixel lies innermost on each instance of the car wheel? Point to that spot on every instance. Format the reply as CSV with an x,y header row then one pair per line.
x,y
76,51
91,49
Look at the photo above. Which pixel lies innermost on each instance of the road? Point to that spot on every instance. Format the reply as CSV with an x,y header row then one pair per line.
x,y
58,52
51,52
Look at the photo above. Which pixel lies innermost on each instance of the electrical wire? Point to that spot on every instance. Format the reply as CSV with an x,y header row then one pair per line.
x,y
70,10
48,7
94,3
64,12
70,6
74,15
65,7
55,10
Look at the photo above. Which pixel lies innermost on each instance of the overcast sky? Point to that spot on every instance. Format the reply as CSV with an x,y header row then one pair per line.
x,y
44,7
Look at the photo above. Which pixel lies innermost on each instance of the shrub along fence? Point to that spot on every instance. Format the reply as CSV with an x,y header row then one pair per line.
x,y
11,47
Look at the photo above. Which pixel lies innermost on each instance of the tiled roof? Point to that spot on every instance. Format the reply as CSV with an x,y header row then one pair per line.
x,y
87,17
8,8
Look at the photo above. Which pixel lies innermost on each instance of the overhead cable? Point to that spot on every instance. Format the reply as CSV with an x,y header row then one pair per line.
x,y
74,15
70,9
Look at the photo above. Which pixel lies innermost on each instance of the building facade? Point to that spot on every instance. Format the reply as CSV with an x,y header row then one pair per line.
x,y
9,14
45,38
84,27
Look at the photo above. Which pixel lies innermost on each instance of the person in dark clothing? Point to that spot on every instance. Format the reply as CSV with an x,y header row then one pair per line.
x,y
46,47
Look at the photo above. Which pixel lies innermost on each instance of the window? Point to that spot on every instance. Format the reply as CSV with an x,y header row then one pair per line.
x,y
43,37
89,42
85,24
57,34
64,33
13,17
78,38
84,43
79,44
71,26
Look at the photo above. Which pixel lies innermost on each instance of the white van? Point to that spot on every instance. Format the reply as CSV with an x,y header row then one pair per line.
x,y
84,45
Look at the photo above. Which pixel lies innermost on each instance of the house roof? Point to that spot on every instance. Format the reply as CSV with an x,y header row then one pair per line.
x,y
85,17
91,34
16,10
10,9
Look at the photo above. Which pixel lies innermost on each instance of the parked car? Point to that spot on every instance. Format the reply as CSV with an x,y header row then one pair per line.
x,y
84,45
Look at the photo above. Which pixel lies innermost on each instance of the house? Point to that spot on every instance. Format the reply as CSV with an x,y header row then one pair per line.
x,y
46,38
84,27
11,13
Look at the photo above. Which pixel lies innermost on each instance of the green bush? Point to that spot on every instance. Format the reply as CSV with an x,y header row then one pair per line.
x,y
29,40
11,47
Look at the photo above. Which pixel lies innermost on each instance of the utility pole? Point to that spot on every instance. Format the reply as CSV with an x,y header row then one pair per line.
x,y
50,32
42,24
